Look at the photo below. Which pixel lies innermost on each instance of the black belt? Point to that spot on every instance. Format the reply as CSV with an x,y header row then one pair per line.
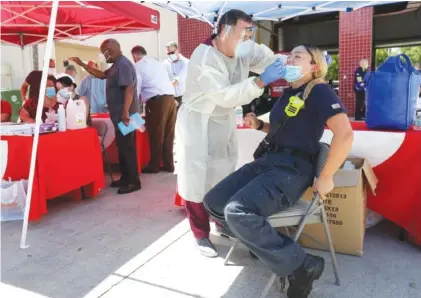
x,y
296,153
156,96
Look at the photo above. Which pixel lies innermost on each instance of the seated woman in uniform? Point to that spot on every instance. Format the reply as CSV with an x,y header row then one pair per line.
x,y
242,201
28,111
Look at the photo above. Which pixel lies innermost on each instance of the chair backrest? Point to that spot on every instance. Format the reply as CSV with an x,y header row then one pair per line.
x,y
321,158
101,129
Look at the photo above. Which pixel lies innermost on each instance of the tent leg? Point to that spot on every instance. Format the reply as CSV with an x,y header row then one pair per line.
x,y
47,55
158,38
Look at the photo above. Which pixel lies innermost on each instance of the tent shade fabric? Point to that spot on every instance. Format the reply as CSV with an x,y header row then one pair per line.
x,y
26,22
208,11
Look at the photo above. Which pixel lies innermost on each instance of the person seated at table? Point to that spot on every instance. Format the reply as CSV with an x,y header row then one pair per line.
x,y
66,90
28,111
6,111
241,202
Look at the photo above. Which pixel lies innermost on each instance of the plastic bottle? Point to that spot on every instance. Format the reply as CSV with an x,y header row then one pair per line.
x,y
76,114
417,122
239,117
61,118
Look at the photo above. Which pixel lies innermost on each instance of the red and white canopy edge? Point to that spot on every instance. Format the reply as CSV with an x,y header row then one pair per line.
x,y
27,22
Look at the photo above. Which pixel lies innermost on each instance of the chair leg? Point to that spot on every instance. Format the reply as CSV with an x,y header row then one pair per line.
x,y
331,249
268,286
107,164
231,251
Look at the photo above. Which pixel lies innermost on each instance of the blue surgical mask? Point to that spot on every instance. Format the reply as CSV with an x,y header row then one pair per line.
x,y
50,92
243,49
292,73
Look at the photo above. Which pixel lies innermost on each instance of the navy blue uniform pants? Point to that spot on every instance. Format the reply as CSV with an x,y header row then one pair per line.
x,y
243,200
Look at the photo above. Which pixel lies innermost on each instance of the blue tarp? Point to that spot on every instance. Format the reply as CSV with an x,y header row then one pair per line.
x,y
208,11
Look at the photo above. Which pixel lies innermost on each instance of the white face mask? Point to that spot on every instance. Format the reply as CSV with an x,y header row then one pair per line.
x,y
52,71
173,57
244,48
65,93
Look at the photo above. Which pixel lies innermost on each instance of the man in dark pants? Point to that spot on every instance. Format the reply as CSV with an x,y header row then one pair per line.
x,y
157,91
359,89
122,100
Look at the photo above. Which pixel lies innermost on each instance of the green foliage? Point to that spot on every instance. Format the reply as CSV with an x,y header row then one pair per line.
x,y
414,53
333,70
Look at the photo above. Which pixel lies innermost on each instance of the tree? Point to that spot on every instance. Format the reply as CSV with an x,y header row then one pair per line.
x,y
414,53
333,70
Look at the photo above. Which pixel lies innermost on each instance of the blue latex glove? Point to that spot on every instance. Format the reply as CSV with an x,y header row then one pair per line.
x,y
273,72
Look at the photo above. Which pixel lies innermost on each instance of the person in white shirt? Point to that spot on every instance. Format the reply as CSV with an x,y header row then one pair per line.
x,y
177,65
157,92
70,72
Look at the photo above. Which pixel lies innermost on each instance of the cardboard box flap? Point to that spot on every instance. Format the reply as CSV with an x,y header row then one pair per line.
x,y
370,176
352,177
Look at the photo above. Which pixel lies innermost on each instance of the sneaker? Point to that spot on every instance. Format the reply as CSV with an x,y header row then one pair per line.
x,y
206,248
301,281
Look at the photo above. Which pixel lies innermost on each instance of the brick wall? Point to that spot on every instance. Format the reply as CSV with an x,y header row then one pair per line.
x,y
191,33
355,43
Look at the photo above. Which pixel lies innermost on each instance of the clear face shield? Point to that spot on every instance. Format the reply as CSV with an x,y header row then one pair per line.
x,y
242,39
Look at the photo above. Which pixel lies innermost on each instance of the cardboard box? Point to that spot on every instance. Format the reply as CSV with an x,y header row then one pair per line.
x,y
345,209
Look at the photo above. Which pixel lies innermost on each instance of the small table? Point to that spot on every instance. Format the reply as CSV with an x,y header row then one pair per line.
x,y
142,143
65,162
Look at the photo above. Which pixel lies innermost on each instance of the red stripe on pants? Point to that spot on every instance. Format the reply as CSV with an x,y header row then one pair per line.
x,y
198,218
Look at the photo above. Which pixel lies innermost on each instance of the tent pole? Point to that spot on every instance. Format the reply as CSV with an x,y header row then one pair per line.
x,y
158,36
47,55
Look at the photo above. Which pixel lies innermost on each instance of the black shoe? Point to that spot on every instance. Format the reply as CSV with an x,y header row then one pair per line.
x,y
206,248
117,184
149,171
129,188
301,281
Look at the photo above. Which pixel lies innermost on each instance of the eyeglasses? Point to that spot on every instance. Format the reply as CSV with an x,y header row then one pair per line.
x,y
171,53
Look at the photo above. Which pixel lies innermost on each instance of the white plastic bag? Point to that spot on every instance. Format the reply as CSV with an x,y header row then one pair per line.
x,y
372,219
13,198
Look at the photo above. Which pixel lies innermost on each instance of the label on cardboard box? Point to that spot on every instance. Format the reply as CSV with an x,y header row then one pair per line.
x,y
345,209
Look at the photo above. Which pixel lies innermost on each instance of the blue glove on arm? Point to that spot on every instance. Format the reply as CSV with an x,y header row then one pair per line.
x,y
273,72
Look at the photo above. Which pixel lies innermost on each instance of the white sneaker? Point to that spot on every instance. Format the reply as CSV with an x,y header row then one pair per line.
x,y
206,248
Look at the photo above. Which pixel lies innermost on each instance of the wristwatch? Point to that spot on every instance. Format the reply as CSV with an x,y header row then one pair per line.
x,y
261,125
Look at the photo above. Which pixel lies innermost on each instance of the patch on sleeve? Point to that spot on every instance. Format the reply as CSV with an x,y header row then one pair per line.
x,y
336,106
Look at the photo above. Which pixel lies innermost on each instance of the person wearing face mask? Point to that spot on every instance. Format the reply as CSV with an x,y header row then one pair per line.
x,y
176,66
28,111
359,89
206,140
122,101
278,178
65,87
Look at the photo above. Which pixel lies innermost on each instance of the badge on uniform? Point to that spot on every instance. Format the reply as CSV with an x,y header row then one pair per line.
x,y
294,105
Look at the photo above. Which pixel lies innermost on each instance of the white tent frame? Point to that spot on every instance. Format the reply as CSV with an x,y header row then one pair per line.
x,y
38,121
178,6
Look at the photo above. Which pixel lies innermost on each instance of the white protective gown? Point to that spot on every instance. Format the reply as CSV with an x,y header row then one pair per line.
x,y
205,131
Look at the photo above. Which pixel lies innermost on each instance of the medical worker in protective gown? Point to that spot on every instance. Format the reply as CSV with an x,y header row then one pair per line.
x,y
206,139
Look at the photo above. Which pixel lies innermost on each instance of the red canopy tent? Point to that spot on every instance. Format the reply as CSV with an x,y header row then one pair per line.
x,y
26,22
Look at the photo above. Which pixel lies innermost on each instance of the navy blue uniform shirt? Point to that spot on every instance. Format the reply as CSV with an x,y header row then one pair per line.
x,y
359,76
304,131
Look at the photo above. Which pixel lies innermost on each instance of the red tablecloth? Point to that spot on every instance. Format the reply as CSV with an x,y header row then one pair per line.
x,y
65,162
398,193
142,143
